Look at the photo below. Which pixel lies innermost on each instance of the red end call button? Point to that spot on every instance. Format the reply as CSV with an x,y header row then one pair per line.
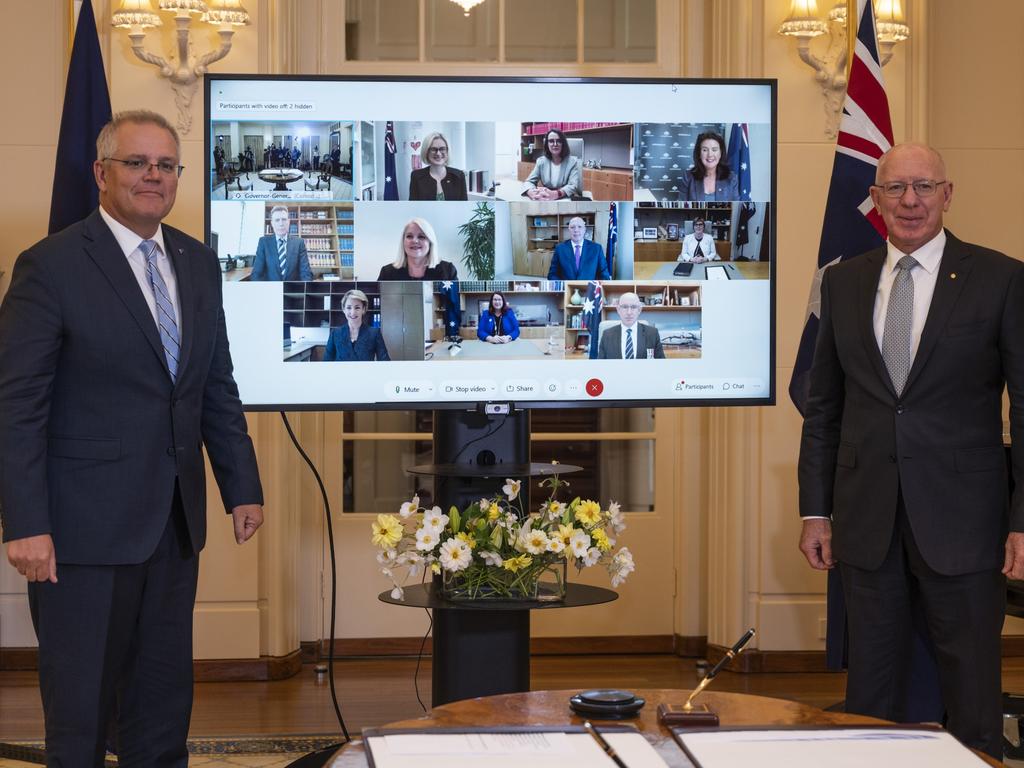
x,y
595,387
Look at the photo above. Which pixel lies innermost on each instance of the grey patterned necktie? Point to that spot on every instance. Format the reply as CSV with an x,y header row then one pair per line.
x,y
166,323
897,336
282,258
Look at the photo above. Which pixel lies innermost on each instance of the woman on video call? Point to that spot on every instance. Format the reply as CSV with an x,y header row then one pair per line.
x,y
418,257
498,324
436,181
354,340
710,178
556,175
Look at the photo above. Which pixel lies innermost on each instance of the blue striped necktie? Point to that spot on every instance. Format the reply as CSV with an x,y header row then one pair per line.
x,y
629,343
282,257
165,321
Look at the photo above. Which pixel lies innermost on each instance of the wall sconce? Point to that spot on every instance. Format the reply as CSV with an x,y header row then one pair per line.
x,y
467,5
185,69
804,24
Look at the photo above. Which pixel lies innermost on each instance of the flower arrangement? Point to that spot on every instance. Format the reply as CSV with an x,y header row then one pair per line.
x,y
494,549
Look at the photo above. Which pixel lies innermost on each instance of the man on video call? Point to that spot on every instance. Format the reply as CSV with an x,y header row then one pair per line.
x,y
578,258
114,376
903,478
630,339
278,256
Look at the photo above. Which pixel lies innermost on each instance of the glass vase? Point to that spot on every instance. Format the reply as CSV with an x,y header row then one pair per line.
x,y
541,581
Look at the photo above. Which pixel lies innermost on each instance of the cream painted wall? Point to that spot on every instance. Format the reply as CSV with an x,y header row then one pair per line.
x,y
735,488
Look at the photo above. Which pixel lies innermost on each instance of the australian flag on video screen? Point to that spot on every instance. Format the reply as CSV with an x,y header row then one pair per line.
x,y
739,157
613,237
592,314
86,110
452,309
390,181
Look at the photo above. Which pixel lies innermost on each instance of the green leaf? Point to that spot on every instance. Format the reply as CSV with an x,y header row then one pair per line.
x,y
454,520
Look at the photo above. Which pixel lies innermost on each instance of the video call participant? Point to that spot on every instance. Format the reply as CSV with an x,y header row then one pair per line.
x,y
356,340
698,247
418,256
498,323
278,256
103,480
710,178
436,181
556,175
578,258
903,477
630,339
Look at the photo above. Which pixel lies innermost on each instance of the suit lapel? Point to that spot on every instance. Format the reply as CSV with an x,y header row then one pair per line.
x,y
104,250
186,295
955,261
871,271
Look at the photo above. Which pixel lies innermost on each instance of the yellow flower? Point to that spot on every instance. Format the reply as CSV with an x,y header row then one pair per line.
x,y
435,568
601,539
470,541
588,512
387,531
493,511
515,563
564,533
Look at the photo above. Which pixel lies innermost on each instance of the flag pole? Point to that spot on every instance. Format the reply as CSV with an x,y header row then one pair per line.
x,y
852,21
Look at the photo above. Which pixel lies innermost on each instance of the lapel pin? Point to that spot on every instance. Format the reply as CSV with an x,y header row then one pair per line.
x,y
952,275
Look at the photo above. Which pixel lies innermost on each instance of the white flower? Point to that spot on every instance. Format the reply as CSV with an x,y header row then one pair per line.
x,y
535,542
621,566
455,555
426,538
397,593
579,542
511,488
435,518
556,545
387,557
409,507
592,556
484,504
616,520
490,558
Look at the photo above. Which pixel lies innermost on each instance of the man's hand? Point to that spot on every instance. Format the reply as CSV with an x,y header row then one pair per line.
x,y
247,518
816,543
34,557
1013,564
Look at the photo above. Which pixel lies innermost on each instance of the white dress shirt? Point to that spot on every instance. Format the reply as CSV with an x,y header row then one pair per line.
x,y
707,248
129,242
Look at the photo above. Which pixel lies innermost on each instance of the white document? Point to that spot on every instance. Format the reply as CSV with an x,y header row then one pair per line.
x,y
716,272
832,747
536,749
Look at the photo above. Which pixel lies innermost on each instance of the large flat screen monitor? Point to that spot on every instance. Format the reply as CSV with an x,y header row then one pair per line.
x,y
438,242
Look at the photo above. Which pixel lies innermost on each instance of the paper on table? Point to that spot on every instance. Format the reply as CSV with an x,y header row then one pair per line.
x,y
542,749
716,272
834,747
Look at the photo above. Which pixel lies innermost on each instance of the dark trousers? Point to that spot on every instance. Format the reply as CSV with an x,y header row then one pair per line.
x,y
963,615
118,639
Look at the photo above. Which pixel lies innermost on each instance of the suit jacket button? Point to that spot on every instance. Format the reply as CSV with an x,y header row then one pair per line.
x,y
899,410
892,458
170,451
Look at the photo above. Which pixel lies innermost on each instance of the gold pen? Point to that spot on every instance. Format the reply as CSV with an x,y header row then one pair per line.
x,y
603,744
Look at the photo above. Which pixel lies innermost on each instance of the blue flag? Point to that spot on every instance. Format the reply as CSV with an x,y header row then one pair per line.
x,y
86,111
452,309
739,157
390,182
592,314
613,237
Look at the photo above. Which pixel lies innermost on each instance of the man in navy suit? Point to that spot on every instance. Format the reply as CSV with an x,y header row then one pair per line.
x,y
114,375
578,258
279,257
902,468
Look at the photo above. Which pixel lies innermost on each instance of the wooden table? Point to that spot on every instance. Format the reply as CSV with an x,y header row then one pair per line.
x,y
552,708
662,270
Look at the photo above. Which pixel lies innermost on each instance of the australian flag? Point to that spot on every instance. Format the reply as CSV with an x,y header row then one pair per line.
x,y
739,157
452,309
613,237
390,180
592,314
852,227
86,111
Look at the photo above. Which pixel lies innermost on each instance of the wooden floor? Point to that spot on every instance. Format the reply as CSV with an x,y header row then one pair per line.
x,y
377,691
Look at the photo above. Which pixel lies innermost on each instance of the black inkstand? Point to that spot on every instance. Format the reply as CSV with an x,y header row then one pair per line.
x,y
607,704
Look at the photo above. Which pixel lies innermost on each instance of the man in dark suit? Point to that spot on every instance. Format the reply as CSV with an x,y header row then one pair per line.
x,y
630,339
114,374
279,257
902,470
578,258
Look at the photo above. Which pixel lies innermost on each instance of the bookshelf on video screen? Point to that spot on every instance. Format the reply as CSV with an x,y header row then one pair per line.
x,y
390,243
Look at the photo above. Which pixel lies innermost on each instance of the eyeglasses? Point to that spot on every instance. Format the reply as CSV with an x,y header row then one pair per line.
x,y
631,307
554,141
922,188
438,150
136,165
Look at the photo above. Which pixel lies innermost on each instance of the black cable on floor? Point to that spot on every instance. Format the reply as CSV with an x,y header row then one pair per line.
x,y
334,572
419,658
